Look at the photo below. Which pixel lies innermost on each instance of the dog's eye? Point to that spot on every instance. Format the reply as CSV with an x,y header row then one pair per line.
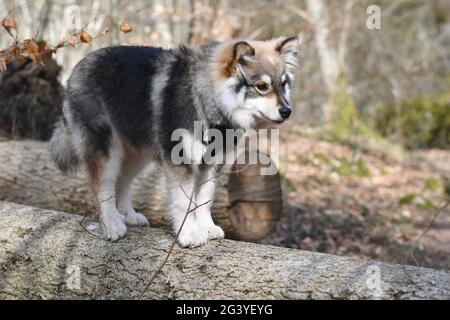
x,y
262,87
284,83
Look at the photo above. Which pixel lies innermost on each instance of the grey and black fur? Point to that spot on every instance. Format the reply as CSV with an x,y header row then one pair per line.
x,y
122,105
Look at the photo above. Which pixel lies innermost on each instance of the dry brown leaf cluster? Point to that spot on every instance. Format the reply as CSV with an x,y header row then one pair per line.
x,y
29,48
20,50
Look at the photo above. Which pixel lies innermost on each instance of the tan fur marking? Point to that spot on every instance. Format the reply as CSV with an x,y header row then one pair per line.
x,y
131,152
225,59
95,167
266,51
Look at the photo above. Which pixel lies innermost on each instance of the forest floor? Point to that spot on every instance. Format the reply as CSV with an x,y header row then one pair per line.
x,y
364,203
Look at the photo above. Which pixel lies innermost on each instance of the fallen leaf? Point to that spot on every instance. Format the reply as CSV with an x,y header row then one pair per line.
x,y
406,213
124,27
85,37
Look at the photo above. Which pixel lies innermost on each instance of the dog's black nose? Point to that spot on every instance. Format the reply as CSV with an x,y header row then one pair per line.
x,y
285,112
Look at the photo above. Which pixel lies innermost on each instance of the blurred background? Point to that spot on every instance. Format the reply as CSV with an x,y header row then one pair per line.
x,y
366,159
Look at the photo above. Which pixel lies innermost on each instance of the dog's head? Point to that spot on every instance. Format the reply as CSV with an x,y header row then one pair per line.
x,y
255,80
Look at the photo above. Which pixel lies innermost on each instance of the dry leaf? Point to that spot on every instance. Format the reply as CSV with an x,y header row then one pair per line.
x,y
2,64
11,53
9,24
47,51
33,51
85,37
19,56
22,48
124,27
15,51
32,47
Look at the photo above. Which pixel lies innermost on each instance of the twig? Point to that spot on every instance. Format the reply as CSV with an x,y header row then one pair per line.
x,y
84,215
417,242
172,246
185,193
50,49
158,270
92,20
143,8
97,204
301,13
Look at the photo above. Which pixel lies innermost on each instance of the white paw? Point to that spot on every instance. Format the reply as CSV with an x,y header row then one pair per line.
x,y
214,232
135,219
114,226
192,236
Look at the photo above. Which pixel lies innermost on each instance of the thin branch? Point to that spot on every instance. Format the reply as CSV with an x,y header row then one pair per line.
x,y
301,13
188,211
185,193
58,200
173,242
49,49
417,242
97,204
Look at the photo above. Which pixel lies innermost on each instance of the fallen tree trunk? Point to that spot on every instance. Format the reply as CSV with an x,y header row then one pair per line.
x,y
48,255
247,204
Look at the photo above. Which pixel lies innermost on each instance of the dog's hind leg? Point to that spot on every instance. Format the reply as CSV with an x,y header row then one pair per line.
x,y
132,165
104,171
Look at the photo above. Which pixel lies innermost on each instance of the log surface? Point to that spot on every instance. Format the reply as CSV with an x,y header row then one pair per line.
x,y
43,251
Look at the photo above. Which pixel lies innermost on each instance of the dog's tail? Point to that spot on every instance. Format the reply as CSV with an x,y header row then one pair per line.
x,y
61,148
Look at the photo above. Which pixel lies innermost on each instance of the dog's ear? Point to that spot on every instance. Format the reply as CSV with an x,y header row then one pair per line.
x,y
236,56
288,49
243,53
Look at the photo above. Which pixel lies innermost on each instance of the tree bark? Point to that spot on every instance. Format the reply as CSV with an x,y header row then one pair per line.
x,y
246,204
328,56
47,255
318,11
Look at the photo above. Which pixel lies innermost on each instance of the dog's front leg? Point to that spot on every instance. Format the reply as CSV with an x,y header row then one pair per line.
x,y
206,187
179,191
